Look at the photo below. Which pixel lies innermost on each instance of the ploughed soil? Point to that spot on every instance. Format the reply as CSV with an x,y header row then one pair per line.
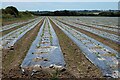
x,y
105,41
76,63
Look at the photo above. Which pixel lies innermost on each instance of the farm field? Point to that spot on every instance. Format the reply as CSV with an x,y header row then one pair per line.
x,y
8,21
8,28
61,47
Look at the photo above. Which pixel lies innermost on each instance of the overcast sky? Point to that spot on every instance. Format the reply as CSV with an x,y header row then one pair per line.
x,y
60,0
52,6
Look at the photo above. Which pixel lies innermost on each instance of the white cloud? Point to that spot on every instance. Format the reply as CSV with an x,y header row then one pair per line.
x,y
59,0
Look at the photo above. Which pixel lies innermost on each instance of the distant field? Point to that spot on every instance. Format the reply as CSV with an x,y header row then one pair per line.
x,y
14,20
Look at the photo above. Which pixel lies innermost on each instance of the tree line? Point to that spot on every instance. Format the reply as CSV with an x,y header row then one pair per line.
x,y
78,13
12,12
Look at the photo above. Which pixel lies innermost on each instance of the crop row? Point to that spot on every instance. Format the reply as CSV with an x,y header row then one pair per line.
x,y
100,21
99,54
93,24
8,40
6,27
44,52
101,33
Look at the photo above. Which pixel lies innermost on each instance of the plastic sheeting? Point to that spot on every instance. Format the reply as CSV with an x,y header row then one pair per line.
x,y
99,54
99,22
45,51
11,38
6,27
103,34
